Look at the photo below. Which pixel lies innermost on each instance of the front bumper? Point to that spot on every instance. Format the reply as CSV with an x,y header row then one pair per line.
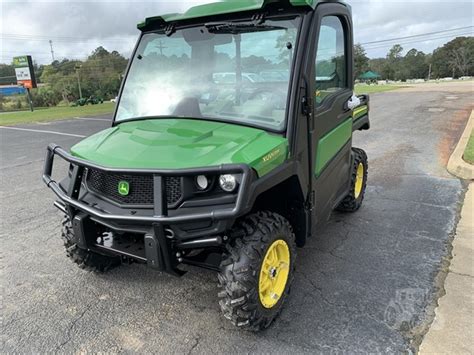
x,y
158,249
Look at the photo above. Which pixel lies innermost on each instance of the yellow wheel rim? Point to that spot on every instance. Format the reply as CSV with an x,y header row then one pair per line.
x,y
274,273
359,180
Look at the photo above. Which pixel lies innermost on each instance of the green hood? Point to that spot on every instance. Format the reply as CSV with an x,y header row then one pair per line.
x,y
182,143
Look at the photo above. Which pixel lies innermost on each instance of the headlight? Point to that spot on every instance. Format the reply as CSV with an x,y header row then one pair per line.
x,y
202,182
228,182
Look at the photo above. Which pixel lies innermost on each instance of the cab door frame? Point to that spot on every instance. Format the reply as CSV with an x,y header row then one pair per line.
x,y
330,133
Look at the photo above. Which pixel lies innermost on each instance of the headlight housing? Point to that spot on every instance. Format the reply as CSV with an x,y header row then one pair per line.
x,y
228,182
202,182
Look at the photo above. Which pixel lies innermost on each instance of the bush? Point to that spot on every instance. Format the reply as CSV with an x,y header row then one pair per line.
x,y
44,96
13,103
63,103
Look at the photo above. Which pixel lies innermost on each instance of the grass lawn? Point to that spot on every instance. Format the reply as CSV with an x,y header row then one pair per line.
x,y
469,152
369,89
55,113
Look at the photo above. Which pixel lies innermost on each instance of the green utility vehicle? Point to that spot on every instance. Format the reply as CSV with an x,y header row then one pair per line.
x,y
91,100
230,146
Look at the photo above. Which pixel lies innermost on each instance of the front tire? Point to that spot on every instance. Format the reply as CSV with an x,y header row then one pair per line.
x,y
85,259
257,271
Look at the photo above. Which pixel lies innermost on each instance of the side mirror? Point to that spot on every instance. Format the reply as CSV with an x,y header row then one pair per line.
x,y
356,101
352,103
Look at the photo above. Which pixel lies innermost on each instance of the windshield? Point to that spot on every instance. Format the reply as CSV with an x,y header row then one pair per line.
x,y
235,72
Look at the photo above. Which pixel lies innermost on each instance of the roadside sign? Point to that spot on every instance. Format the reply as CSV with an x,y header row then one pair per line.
x,y
25,74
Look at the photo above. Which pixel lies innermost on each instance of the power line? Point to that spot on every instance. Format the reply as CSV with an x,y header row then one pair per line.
x,y
418,35
370,47
422,37
426,39
21,37
18,37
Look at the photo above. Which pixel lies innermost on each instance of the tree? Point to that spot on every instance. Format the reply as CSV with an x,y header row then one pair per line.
x,y
395,52
100,75
460,60
60,85
7,74
361,61
414,65
455,56
99,53
254,63
393,66
377,65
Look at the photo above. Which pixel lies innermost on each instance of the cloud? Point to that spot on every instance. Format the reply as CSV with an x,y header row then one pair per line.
x,y
77,28
379,20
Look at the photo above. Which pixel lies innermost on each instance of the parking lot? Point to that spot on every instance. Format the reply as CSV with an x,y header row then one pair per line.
x,y
366,283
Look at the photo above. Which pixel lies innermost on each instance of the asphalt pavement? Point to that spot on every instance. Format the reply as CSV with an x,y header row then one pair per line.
x,y
368,282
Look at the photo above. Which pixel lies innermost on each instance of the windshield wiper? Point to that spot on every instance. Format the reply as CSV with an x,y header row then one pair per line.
x,y
236,28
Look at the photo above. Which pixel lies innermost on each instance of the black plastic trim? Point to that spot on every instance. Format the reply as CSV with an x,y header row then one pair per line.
x,y
160,215
362,123
131,206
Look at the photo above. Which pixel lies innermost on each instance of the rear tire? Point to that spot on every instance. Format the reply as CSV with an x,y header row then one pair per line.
x,y
353,200
85,259
248,265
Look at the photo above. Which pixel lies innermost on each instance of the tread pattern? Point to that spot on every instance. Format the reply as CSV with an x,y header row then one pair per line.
x,y
240,270
85,259
350,203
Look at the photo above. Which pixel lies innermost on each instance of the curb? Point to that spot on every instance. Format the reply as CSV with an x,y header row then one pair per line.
x,y
456,164
451,331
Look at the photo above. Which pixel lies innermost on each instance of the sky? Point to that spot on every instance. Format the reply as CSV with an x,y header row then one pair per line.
x,y
77,28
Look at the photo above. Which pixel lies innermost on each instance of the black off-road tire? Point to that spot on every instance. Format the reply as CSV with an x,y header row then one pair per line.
x,y
240,270
350,202
85,259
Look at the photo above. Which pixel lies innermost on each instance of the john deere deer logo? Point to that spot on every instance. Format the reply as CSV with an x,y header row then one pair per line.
x,y
123,188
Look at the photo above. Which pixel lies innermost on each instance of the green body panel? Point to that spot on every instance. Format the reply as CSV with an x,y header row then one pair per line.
x,y
331,143
182,143
221,8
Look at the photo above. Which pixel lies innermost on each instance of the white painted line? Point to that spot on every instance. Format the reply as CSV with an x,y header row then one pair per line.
x,y
41,131
92,119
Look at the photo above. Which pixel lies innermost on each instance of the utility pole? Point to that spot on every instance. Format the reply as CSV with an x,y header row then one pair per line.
x,y
429,73
161,47
52,52
78,67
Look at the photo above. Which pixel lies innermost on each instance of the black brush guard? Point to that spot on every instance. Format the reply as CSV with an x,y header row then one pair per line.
x,y
157,249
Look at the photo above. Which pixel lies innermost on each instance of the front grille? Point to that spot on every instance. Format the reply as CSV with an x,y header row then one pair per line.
x,y
140,187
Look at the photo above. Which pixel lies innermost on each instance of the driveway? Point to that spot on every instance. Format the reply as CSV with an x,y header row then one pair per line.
x,y
366,283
